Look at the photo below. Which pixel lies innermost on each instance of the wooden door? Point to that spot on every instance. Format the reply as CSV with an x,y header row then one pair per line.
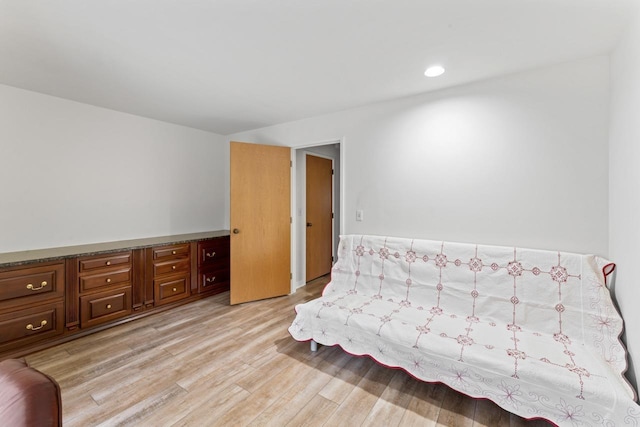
x,y
260,220
319,216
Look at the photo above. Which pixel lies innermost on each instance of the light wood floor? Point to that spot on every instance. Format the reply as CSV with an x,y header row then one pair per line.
x,y
207,363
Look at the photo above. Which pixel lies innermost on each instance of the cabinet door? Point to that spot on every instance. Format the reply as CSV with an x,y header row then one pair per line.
x,y
211,252
214,280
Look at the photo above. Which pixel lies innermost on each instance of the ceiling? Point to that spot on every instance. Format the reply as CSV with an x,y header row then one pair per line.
x,y
231,65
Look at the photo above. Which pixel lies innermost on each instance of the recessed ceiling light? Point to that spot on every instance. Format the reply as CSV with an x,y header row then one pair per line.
x,y
434,71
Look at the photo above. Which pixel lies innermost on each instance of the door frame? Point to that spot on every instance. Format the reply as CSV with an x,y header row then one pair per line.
x,y
298,237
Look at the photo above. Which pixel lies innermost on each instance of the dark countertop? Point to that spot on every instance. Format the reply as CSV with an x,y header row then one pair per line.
x,y
11,259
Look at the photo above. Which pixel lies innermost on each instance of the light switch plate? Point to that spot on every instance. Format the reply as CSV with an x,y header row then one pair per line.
x,y
359,215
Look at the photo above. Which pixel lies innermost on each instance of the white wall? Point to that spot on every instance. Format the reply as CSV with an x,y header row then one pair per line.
x,y
624,186
71,173
519,160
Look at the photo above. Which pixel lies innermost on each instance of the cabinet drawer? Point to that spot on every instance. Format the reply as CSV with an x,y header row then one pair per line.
x,y
104,306
41,281
110,278
104,261
31,324
173,266
213,279
173,251
212,251
172,289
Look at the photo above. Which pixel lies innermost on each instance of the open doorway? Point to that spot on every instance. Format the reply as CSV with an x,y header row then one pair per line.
x,y
319,216
324,153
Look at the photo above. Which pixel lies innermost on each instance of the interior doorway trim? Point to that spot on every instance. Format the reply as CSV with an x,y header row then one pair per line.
x,y
298,241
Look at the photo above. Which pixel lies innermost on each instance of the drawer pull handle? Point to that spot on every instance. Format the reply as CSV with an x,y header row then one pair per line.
x,y
175,289
35,328
108,306
211,279
210,255
173,252
108,280
173,267
42,285
108,262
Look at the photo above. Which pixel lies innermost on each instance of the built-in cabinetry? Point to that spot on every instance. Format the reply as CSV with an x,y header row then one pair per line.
x,y
31,304
171,267
51,296
213,266
104,286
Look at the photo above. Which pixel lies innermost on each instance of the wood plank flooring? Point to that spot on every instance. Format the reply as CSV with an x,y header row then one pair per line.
x,y
209,364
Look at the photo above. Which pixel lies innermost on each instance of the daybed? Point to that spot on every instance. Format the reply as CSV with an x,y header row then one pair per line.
x,y
534,331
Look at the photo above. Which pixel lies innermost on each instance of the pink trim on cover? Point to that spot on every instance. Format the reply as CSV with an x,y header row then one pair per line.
x,y
607,270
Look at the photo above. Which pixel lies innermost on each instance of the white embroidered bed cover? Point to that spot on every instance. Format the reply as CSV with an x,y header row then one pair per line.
x,y
534,331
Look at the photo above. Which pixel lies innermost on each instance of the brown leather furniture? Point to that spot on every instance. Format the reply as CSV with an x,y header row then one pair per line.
x,y
28,397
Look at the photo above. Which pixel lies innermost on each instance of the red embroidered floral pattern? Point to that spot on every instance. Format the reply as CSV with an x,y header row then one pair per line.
x,y
515,268
410,257
559,274
516,353
475,264
562,338
464,340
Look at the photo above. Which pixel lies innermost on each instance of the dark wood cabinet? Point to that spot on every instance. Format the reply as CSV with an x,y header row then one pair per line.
x,y
105,306
213,251
213,266
31,304
171,272
44,302
31,284
31,324
174,266
104,262
108,278
214,280
104,286
171,252
172,288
